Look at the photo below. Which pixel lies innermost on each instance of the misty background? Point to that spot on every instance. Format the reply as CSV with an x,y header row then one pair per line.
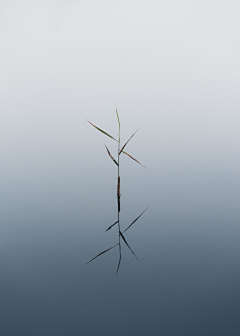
x,y
172,69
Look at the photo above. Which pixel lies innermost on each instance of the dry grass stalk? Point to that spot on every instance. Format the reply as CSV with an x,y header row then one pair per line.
x,y
120,233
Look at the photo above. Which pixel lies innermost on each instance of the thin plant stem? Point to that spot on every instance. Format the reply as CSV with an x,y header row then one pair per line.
x,y
120,234
118,201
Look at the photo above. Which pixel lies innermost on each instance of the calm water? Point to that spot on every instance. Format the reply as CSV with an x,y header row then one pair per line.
x,y
187,280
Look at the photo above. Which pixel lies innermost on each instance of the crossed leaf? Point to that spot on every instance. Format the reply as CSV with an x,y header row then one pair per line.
x,y
101,130
111,156
111,225
127,244
135,219
127,142
133,159
101,253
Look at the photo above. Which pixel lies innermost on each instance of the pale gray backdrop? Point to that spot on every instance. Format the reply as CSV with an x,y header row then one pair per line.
x,y
172,70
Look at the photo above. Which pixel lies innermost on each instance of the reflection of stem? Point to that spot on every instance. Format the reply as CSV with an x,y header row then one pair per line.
x,y
118,193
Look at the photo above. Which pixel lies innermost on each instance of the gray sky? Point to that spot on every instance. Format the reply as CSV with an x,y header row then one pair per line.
x,y
170,67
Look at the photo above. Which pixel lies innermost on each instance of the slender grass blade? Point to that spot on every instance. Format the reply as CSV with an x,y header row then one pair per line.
x,y
127,244
101,253
111,156
101,130
111,226
120,257
118,125
136,219
134,159
127,142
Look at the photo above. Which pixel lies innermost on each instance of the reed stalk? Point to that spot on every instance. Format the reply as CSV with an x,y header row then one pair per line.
x,y
120,233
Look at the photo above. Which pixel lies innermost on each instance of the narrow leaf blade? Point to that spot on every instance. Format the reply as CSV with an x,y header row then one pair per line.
x,y
134,159
127,142
120,257
101,254
136,219
101,130
111,156
111,226
118,120
127,244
